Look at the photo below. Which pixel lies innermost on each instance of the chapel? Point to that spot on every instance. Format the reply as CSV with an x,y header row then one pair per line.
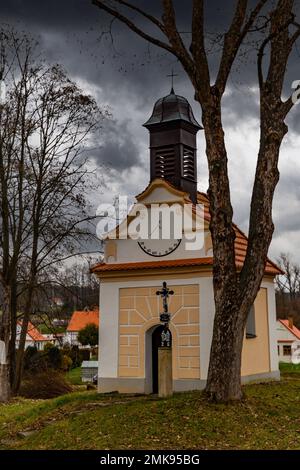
x,y
134,269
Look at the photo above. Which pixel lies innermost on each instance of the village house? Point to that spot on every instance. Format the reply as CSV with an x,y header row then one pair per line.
x,y
287,334
79,320
134,269
33,337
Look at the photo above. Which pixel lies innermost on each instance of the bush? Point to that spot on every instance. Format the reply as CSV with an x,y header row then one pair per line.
x,y
54,357
88,336
30,354
48,346
34,360
67,349
50,357
75,355
45,384
85,354
66,363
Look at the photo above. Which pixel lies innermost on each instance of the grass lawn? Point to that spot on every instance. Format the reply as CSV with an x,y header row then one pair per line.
x,y
74,376
288,369
268,418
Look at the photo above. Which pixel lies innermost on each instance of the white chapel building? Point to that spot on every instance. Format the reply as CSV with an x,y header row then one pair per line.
x,y
134,269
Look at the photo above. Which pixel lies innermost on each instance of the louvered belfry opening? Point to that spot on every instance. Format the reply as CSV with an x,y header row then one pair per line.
x,y
165,162
189,163
173,130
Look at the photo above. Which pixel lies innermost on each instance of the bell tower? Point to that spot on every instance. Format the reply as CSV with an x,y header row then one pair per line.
x,y
173,152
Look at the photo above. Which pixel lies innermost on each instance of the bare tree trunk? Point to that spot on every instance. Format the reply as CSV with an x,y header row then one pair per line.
x,y
5,390
4,383
20,354
224,376
13,328
223,381
22,341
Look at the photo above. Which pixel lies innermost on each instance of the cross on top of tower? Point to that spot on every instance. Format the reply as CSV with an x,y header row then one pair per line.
x,y
172,75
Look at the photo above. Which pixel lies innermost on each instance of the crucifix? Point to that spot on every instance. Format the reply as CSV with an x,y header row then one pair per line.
x,y
172,75
166,337
165,293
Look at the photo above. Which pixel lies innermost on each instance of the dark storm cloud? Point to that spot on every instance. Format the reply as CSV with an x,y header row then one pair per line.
x,y
119,150
245,105
78,13
65,14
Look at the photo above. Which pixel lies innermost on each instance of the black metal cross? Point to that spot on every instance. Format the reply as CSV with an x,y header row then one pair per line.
x,y
165,293
172,75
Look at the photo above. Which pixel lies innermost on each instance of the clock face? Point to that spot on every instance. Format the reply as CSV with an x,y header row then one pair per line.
x,y
159,248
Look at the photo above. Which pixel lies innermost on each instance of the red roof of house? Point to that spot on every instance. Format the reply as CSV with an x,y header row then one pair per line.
x,y
34,333
295,331
241,243
81,318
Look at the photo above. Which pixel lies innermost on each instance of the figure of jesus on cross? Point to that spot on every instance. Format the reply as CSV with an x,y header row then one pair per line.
x,y
165,293
166,337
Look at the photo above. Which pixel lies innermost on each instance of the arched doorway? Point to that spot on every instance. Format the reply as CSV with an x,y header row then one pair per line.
x,y
156,342
152,343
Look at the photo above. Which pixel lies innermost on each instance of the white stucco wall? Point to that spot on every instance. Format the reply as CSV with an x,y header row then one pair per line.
x,y
109,329
269,285
128,251
284,338
207,313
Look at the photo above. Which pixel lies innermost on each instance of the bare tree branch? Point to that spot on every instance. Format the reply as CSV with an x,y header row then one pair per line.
x,y
234,38
103,6
149,17
197,49
174,37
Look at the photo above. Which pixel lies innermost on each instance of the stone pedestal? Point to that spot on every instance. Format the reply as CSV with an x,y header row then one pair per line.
x,y
165,378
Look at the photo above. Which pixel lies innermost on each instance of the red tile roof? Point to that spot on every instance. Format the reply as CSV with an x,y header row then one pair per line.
x,y
82,318
102,267
34,333
295,331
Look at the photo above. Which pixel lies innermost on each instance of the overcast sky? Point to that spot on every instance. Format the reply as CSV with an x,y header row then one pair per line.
x,y
129,76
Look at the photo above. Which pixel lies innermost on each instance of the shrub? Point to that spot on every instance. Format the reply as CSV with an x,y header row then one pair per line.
x,y
48,346
34,360
67,349
54,357
88,336
75,356
45,384
29,355
85,354
66,363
